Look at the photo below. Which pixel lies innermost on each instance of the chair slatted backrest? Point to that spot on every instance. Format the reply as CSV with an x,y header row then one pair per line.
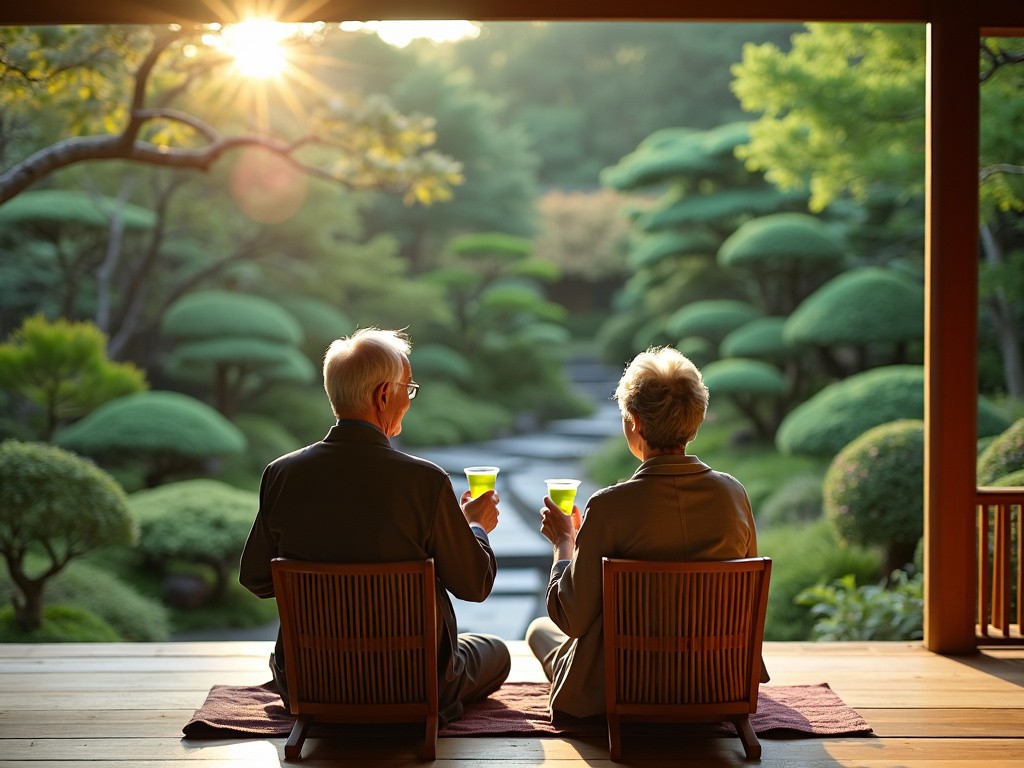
x,y
360,641
682,643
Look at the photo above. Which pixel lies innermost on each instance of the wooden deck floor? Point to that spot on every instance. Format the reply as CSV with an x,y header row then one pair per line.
x,y
123,705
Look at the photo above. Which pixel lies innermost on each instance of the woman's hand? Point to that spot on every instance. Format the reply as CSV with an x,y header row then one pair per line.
x,y
560,528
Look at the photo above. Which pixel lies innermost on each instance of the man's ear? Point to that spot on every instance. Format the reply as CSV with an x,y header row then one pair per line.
x,y
636,425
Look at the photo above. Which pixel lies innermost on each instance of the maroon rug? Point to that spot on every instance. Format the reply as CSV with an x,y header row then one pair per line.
x,y
521,709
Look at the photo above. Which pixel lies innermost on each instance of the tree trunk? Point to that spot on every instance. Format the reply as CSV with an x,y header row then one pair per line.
x,y
1001,313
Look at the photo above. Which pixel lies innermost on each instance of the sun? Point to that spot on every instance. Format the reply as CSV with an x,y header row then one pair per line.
x,y
257,47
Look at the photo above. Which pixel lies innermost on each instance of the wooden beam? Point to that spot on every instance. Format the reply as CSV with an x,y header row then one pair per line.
x,y
951,307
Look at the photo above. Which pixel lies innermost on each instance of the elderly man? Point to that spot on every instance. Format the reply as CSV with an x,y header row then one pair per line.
x,y
354,498
674,507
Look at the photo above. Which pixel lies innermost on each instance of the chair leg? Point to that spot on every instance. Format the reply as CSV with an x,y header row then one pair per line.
x,y
751,746
429,749
614,737
293,747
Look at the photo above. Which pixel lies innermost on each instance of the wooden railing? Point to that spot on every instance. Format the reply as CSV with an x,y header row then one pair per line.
x,y
1000,565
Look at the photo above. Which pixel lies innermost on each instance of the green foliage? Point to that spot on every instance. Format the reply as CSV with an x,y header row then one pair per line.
x,y
826,422
802,556
154,423
1003,456
61,207
436,362
60,624
713,319
58,506
893,609
444,415
304,411
320,321
861,306
739,376
265,438
874,489
1012,480
797,499
782,241
55,502
817,95
62,369
95,589
760,338
195,521
652,248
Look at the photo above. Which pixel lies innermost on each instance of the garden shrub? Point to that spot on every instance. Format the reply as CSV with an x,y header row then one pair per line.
x,y
133,616
892,609
304,411
874,490
60,624
265,439
712,319
443,415
761,338
802,556
196,521
823,424
1005,454
797,500
57,506
170,431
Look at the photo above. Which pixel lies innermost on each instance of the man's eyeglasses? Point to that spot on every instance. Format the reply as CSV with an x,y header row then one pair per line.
x,y
411,388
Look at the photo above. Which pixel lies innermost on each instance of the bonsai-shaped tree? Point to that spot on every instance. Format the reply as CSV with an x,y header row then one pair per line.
x,y
874,490
56,505
713,319
320,322
195,521
872,314
168,432
1003,456
786,255
823,424
753,386
239,344
61,369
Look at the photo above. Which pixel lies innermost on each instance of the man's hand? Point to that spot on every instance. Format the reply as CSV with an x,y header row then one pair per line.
x,y
560,528
483,510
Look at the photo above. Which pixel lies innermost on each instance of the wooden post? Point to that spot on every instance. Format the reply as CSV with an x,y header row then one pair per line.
x,y
951,308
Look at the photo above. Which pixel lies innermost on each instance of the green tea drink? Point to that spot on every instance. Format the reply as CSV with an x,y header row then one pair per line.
x,y
563,493
480,479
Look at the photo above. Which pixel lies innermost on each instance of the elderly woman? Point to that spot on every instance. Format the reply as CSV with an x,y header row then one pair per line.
x,y
674,507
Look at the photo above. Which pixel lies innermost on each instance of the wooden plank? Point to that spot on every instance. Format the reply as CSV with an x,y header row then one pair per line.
x,y
959,723
516,750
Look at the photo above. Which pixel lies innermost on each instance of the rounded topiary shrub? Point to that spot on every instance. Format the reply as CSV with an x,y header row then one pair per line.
x,y
874,490
824,423
195,521
444,416
760,338
712,319
60,624
1002,456
56,506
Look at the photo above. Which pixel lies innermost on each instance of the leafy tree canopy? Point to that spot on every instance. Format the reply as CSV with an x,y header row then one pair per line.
x,y
740,376
782,241
761,338
62,369
131,93
712,319
57,207
218,314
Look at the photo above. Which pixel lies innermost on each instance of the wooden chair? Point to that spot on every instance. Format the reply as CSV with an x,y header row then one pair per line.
x,y
360,644
682,643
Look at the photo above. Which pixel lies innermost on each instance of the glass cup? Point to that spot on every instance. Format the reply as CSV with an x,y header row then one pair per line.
x,y
480,479
563,492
